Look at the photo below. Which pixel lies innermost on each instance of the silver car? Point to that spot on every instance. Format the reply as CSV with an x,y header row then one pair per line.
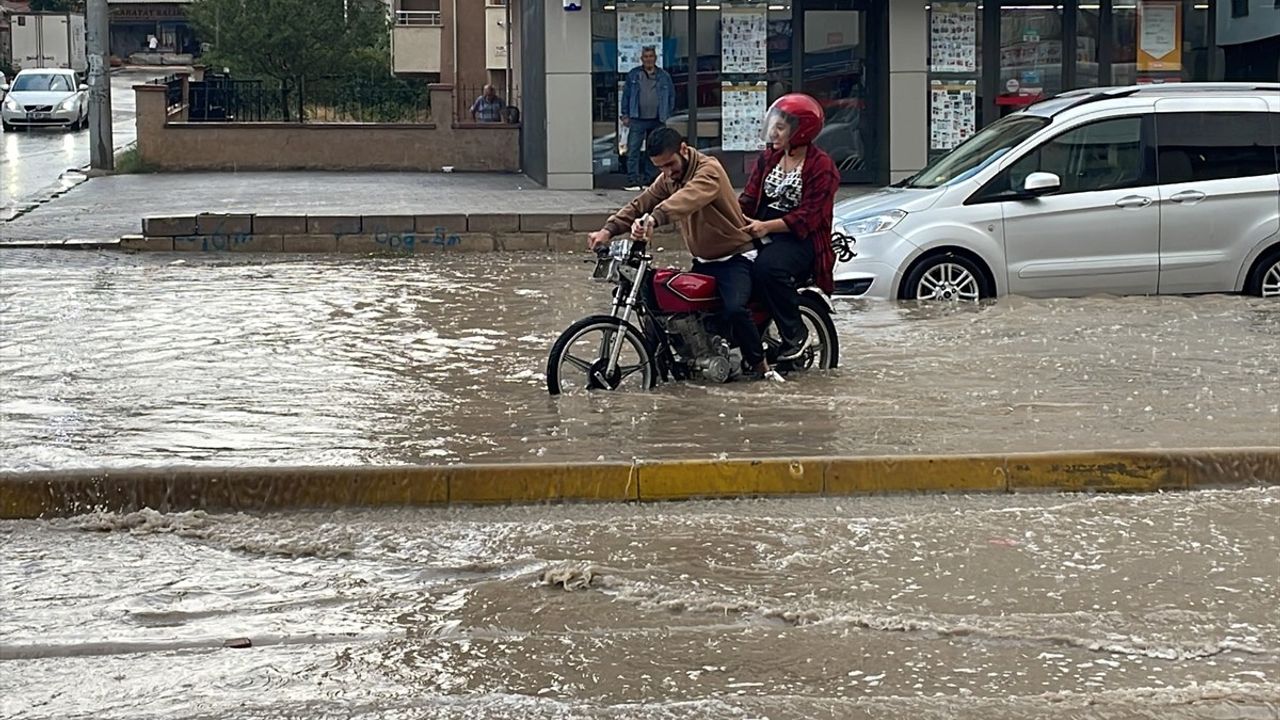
x,y
1139,190
44,98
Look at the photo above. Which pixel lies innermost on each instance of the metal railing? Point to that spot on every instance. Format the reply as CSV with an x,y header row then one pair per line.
x,y
330,100
172,91
418,18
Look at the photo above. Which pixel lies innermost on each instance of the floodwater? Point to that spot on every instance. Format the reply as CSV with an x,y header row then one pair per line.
x,y
930,608
158,359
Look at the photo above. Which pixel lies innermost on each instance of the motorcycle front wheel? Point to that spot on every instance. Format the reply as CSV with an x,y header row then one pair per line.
x,y
580,356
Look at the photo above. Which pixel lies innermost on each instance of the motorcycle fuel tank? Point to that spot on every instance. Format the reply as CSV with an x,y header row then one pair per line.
x,y
682,292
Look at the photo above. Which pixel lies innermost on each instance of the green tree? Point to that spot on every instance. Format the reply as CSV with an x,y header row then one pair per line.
x,y
294,42
57,5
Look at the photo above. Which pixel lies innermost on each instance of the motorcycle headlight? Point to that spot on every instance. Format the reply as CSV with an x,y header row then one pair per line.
x,y
873,224
620,248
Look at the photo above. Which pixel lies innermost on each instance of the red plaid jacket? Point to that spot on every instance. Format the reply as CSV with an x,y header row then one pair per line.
x,y
812,219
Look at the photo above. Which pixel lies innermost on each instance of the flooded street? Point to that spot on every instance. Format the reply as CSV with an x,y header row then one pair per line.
x,y
158,359
1032,606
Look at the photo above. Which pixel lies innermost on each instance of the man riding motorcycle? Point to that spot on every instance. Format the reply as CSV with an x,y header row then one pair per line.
x,y
694,192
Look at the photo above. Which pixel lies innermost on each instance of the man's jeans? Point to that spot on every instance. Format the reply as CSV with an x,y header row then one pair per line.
x,y
733,282
640,170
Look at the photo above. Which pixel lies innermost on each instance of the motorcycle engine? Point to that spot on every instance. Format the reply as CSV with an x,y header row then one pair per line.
x,y
702,349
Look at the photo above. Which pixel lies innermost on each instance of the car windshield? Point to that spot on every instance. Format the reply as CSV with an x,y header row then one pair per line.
x,y
978,151
42,83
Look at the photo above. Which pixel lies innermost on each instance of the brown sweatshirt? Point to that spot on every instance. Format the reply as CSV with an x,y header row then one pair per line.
x,y
702,204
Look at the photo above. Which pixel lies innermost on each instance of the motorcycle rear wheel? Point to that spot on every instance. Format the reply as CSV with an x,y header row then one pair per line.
x,y
824,349
587,373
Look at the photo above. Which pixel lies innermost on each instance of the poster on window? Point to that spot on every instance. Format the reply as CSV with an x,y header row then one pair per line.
x,y
744,40
638,29
1159,27
953,38
742,109
952,113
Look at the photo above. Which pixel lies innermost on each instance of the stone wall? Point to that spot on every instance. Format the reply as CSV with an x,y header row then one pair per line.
x,y
374,234
168,142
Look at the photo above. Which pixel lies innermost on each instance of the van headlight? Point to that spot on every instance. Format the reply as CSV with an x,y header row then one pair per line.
x,y
873,224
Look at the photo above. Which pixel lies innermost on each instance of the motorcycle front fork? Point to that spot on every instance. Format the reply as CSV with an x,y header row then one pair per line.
x,y
625,309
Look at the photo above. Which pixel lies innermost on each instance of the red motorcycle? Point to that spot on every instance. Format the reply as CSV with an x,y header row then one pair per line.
x,y
664,326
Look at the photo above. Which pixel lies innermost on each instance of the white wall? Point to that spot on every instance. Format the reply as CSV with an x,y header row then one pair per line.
x,y
568,94
908,88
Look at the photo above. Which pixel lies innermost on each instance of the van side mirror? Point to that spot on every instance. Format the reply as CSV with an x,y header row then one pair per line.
x,y
1041,183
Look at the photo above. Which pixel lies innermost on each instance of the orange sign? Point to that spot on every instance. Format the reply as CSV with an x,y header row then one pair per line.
x,y
1159,37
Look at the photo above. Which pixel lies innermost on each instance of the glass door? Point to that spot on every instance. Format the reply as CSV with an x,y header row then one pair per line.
x,y
1031,55
841,54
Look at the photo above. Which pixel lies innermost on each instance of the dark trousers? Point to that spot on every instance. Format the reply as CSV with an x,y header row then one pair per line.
x,y
778,270
640,169
733,281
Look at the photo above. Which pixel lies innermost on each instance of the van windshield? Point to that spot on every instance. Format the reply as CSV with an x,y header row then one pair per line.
x,y
978,151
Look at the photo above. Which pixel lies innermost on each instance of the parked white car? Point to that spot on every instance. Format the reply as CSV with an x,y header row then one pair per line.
x,y
1171,189
44,98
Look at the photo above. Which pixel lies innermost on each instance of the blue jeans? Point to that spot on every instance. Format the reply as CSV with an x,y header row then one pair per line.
x,y
640,170
733,282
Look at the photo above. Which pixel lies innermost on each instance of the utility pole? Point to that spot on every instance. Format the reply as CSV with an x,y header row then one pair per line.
x,y
97,37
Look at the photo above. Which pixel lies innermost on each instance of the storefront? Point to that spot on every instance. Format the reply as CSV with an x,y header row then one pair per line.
x,y
902,81
133,24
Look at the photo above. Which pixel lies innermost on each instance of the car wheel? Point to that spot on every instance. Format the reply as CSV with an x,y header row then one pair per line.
x,y
1264,281
947,276
7,127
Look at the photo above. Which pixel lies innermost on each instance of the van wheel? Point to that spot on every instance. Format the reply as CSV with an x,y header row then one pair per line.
x,y
947,276
1264,281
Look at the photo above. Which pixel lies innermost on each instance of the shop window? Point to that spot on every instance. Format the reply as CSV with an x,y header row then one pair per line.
x,y
1031,52
955,71
1160,41
1198,147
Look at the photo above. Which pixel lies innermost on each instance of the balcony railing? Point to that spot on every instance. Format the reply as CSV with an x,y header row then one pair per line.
x,y
418,18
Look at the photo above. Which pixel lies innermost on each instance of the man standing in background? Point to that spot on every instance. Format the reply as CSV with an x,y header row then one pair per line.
x,y
648,99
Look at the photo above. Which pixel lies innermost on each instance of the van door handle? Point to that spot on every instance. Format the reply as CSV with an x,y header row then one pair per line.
x,y
1133,201
1188,197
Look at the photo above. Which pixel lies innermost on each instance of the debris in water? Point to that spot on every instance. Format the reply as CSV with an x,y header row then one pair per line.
x,y
237,643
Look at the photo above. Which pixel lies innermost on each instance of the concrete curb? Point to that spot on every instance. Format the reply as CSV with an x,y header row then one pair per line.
x,y
68,492
368,234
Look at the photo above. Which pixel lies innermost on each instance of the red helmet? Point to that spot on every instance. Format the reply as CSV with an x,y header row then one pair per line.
x,y
799,111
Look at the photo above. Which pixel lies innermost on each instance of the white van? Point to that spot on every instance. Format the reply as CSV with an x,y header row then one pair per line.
x,y
1140,190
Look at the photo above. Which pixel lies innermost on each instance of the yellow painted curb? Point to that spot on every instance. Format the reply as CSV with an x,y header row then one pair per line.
x,y
58,492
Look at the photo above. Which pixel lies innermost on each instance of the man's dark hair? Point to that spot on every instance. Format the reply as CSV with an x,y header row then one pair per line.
x,y
664,140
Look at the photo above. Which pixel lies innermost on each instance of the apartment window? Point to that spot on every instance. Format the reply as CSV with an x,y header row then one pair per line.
x,y
1239,8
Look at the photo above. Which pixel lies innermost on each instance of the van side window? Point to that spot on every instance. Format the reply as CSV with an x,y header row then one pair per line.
x,y
1198,147
1104,155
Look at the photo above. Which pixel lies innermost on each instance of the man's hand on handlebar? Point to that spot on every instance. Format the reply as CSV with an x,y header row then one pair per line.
x,y
642,229
599,239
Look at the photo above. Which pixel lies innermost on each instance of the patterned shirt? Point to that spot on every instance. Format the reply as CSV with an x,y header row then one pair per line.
x,y
784,189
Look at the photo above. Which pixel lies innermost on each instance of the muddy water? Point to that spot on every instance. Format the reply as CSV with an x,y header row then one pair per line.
x,y
167,358
989,607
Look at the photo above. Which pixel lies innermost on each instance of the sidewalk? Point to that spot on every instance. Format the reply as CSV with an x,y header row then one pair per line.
x,y
105,208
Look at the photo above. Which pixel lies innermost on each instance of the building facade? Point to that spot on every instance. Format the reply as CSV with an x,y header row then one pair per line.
x,y
133,23
464,43
901,80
